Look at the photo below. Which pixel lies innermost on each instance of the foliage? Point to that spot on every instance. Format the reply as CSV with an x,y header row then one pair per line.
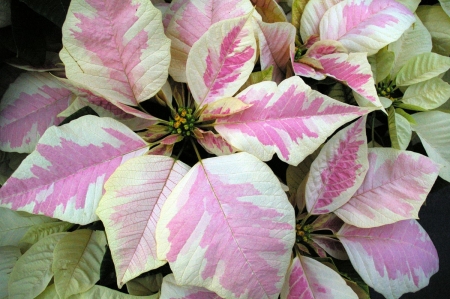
x,y
154,144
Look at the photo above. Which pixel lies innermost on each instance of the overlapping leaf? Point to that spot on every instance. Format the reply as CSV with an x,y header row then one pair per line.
x,y
221,60
291,120
116,48
187,21
30,106
395,187
171,290
131,208
228,227
405,264
274,40
63,178
14,225
9,256
77,260
338,171
33,270
308,278
432,128
365,26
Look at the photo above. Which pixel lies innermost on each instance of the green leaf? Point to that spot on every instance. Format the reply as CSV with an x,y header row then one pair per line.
x,y
445,6
408,106
53,10
428,94
405,115
94,292
421,68
146,285
33,270
399,130
381,64
256,77
77,260
40,231
432,128
438,24
298,6
414,41
14,225
9,256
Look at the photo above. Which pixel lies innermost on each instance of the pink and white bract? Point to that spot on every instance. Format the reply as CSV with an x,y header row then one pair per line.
x,y
174,165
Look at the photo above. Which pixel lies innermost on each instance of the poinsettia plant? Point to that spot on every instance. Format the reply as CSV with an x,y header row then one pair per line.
x,y
147,154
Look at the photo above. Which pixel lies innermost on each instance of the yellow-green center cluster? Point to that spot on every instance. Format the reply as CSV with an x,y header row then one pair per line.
x,y
303,233
386,89
183,122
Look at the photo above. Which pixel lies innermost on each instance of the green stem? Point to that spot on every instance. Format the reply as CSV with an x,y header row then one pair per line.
x,y
196,151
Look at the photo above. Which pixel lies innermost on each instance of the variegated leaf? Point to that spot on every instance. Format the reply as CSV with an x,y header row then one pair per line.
x,y
223,107
354,71
30,106
332,246
365,25
187,21
63,178
291,120
270,11
308,278
214,143
221,60
171,290
116,48
339,170
130,209
405,264
228,227
274,40
395,187
312,14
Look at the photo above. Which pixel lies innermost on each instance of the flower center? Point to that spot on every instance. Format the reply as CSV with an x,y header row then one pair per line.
x,y
183,122
386,89
303,233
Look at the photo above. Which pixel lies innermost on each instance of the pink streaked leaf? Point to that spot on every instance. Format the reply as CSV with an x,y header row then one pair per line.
x,y
308,278
339,169
29,106
63,178
171,290
270,11
274,40
228,227
105,108
405,264
291,120
313,13
395,187
187,21
223,107
365,25
353,70
221,61
329,222
116,48
214,143
332,246
130,209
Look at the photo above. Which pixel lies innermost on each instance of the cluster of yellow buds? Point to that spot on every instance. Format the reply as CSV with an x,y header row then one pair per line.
x,y
303,233
183,122
386,89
